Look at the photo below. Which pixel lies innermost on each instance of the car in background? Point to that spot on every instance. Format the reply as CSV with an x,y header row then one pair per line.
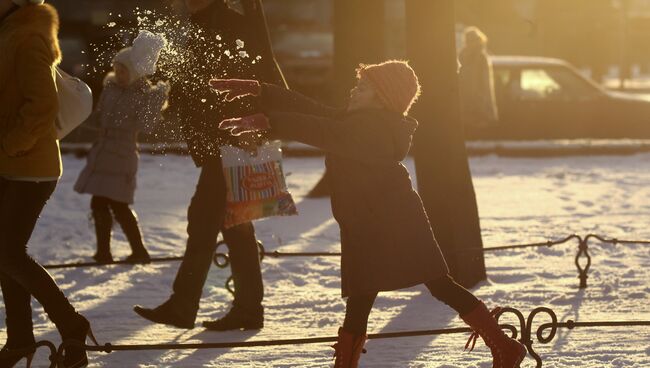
x,y
545,98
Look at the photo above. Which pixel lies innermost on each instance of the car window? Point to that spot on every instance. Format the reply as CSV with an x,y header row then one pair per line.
x,y
537,84
574,86
555,83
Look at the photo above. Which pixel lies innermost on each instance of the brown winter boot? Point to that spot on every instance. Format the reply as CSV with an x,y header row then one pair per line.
x,y
348,349
506,352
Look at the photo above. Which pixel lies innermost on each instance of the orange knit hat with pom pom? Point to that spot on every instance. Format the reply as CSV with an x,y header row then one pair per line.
x,y
394,82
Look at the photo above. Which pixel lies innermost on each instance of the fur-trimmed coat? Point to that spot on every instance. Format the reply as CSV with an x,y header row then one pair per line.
x,y
120,114
28,98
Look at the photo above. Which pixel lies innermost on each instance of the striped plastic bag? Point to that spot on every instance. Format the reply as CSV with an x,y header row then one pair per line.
x,y
256,186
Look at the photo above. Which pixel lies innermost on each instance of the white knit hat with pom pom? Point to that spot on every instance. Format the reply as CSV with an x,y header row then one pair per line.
x,y
25,2
141,58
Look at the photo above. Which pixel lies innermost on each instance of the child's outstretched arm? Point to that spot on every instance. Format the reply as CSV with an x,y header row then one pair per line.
x,y
272,98
355,138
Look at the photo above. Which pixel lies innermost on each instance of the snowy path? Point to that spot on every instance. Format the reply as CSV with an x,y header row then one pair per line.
x,y
520,200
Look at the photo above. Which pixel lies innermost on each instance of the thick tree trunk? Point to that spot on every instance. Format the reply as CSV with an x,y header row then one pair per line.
x,y
442,169
359,37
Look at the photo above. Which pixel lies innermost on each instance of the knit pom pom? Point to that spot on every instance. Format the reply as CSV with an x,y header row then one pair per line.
x,y
146,51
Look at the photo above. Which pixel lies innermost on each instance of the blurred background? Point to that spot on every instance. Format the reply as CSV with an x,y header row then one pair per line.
x,y
597,46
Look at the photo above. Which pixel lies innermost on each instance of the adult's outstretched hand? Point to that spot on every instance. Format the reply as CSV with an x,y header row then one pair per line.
x,y
236,88
246,124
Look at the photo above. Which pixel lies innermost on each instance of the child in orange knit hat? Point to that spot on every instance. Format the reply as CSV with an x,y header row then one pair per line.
x,y
386,239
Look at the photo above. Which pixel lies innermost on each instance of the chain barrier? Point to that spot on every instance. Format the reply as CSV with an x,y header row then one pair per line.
x,y
523,333
222,260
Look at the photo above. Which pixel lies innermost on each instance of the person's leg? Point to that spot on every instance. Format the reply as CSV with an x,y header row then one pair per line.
x,y
247,311
245,266
506,352
453,294
18,311
357,311
204,220
352,336
20,207
129,223
103,227
205,217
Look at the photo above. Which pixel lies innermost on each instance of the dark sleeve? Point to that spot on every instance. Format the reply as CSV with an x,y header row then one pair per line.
x,y
354,138
278,99
270,70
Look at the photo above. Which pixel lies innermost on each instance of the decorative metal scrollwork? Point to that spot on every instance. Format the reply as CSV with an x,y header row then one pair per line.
x,y
583,251
526,328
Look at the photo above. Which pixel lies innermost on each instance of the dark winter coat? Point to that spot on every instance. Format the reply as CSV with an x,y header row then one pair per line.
x,y
386,238
476,81
112,162
192,103
29,51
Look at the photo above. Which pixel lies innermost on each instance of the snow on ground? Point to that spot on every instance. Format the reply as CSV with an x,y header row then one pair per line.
x,y
520,200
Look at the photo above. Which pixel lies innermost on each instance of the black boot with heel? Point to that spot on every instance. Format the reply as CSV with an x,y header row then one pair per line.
x,y
103,228
75,356
10,356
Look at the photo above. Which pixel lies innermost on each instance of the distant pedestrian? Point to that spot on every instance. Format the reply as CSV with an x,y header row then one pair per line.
x,y
30,167
478,101
386,238
128,104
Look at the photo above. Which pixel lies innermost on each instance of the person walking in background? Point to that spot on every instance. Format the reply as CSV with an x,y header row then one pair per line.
x,y
30,166
386,239
476,81
129,103
196,108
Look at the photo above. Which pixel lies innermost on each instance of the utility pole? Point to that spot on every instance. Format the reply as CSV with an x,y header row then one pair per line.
x,y
442,168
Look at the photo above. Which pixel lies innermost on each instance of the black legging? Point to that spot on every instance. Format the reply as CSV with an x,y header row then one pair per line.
x,y
121,210
21,277
444,289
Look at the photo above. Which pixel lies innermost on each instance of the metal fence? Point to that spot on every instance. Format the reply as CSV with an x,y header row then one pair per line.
x,y
523,332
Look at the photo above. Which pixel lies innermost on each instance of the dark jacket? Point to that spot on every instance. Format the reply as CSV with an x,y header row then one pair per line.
x,y
386,238
476,80
192,103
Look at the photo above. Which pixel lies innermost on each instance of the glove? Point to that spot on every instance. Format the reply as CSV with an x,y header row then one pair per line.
x,y
236,88
251,123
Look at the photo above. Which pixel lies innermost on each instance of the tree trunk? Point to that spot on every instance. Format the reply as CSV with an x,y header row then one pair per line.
x,y
359,37
442,168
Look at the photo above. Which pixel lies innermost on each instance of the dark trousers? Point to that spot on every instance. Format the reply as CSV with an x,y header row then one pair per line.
x,y
205,218
21,276
445,289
